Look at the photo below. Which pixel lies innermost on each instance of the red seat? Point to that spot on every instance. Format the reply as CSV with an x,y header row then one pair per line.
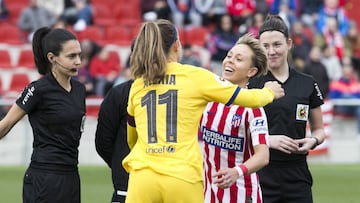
x,y
196,36
9,2
26,59
127,14
119,35
5,59
18,82
10,34
15,9
181,33
103,15
91,32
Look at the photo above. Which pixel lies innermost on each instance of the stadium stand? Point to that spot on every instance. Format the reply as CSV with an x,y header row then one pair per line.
x,y
119,35
15,9
26,59
195,36
92,32
127,13
10,34
103,15
5,60
18,82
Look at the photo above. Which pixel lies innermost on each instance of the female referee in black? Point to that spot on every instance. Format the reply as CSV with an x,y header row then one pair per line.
x,y
55,105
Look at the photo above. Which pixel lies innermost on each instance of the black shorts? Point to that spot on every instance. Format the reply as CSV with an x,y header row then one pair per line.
x,y
286,184
43,186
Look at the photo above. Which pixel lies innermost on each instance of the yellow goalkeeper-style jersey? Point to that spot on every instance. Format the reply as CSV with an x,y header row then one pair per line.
x,y
163,118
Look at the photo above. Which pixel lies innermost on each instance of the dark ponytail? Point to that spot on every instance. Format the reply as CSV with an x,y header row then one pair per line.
x,y
41,61
47,40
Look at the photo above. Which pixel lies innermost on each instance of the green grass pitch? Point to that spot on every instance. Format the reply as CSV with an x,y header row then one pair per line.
x,y
332,183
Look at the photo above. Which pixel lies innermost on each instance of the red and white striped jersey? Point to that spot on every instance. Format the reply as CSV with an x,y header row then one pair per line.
x,y
229,134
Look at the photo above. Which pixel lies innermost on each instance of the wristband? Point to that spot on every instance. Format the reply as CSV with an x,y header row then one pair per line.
x,y
242,170
317,142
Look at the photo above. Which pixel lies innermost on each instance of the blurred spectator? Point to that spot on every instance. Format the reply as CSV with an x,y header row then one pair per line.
x,y
347,87
189,57
33,17
210,10
301,45
275,6
79,14
332,9
60,23
184,13
332,37
104,69
256,22
288,15
4,12
309,10
155,9
89,50
352,41
56,7
220,41
352,46
84,76
240,11
125,75
315,68
262,7
331,62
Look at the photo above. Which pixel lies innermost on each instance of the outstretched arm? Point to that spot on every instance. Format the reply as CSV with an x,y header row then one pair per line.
x,y
12,117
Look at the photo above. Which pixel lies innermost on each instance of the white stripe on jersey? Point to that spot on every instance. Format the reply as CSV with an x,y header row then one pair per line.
x,y
226,132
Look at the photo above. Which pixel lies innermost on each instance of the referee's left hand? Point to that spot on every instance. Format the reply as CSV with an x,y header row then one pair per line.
x,y
305,145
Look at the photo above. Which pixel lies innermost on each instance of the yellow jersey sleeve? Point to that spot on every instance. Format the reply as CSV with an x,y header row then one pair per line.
x,y
131,126
215,88
131,136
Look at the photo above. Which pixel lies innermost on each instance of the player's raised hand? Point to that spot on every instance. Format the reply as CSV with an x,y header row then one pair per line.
x,y
276,88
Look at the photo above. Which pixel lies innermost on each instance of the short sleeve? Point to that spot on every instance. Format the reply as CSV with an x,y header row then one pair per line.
x,y
29,98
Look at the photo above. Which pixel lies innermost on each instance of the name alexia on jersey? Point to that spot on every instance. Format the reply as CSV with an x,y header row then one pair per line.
x,y
168,80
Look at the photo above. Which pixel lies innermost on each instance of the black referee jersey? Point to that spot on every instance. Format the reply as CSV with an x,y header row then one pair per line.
x,y
111,137
57,120
302,93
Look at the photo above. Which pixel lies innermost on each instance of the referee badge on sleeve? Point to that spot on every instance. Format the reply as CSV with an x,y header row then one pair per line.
x,y
302,112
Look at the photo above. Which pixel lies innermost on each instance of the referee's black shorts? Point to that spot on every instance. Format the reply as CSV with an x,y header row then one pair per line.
x,y
286,184
55,186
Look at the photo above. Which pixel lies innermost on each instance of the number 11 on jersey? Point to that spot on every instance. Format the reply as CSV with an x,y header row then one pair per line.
x,y
151,101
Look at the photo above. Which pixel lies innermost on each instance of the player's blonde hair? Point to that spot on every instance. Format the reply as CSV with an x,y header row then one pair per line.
x,y
151,48
259,58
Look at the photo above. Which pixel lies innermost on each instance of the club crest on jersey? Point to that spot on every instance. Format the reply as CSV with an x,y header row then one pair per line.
x,y
236,120
221,80
302,112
